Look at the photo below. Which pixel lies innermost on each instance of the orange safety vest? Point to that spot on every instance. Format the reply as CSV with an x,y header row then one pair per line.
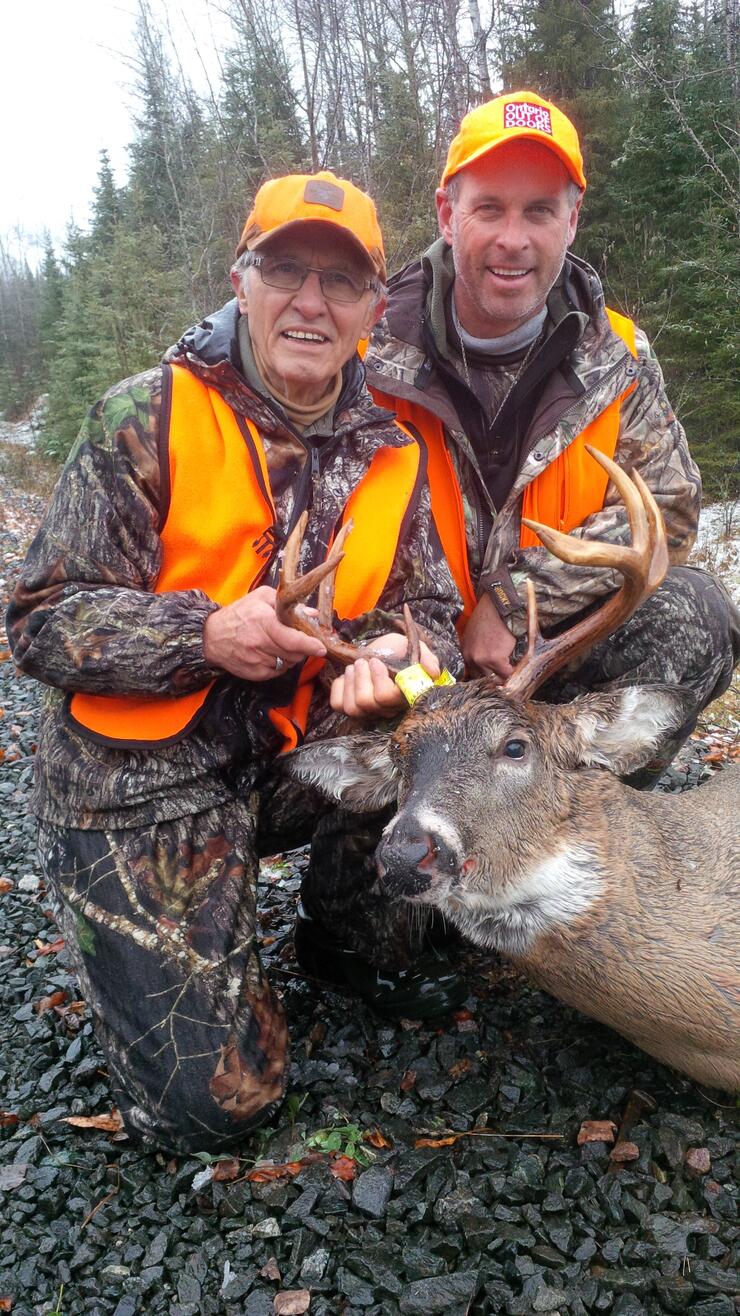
x,y
218,536
563,495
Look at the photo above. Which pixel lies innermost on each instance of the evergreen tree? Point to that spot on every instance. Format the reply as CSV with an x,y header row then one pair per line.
x,y
106,207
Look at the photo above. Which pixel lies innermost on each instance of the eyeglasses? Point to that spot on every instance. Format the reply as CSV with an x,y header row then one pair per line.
x,y
290,275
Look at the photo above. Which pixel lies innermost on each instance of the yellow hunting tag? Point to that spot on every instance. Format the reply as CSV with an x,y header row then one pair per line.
x,y
414,681
445,678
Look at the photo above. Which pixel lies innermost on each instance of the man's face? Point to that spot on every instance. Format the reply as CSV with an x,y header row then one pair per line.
x,y
302,338
509,227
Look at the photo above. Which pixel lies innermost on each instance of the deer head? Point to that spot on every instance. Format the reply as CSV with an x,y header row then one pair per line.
x,y
483,776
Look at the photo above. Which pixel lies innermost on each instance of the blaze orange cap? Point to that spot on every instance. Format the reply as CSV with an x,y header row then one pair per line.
x,y
321,198
504,119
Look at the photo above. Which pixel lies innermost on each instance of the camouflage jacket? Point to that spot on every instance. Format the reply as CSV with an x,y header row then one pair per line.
x,y
83,615
409,358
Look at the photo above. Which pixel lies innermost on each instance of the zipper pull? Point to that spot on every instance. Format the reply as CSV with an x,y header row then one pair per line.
x,y
315,463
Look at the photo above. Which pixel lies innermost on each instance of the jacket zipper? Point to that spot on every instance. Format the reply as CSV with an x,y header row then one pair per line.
x,y
536,438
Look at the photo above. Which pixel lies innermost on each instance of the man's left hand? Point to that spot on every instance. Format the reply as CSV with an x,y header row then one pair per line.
x,y
366,689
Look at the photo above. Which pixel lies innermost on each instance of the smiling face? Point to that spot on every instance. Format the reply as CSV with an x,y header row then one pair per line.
x,y
510,223
300,338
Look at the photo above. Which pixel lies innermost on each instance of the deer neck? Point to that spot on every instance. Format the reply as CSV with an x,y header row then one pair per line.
x,y
552,884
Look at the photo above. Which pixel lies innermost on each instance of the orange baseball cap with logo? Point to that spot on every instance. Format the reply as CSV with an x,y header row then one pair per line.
x,y
506,118
321,198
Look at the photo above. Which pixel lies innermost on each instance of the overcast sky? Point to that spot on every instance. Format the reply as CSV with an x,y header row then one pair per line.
x,y
65,95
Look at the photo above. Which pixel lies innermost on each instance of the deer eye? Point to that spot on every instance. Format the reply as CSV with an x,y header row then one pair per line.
x,y
515,749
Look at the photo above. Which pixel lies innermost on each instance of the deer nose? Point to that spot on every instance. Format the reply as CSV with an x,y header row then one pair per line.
x,y
407,864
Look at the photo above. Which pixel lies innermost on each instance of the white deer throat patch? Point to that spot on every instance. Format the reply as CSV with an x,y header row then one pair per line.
x,y
550,895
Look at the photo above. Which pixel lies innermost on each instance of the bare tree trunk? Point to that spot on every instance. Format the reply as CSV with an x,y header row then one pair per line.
x,y
479,49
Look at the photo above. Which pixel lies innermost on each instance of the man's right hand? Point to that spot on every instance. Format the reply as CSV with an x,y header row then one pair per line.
x,y
246,638
488,643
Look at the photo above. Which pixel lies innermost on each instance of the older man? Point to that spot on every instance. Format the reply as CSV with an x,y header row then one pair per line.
x,y
148,603
498,346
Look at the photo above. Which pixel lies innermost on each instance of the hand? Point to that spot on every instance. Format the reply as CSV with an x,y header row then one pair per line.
x,y
245,638
367,689
488,643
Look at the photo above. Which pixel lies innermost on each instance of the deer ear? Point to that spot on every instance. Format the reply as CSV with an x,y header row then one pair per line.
x,y
355,770
622,729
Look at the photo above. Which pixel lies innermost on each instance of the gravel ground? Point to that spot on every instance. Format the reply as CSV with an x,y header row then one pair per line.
x,y
337,1209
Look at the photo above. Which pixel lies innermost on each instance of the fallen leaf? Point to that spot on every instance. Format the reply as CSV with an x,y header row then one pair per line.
x,y
4,655
223,1171
5,882
449,1139
107,1123
596,1131
376,1139
408,1081
6,1304
7,1118
74,1007
624,1151
292,1302
2,755
343,1168
462,1016
459,1068
437,1142
11,1176
266,1172
49,1002
49,947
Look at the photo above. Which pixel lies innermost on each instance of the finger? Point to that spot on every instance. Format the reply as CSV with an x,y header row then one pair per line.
x,y
356,690
287,640
374,693
336,694
386,694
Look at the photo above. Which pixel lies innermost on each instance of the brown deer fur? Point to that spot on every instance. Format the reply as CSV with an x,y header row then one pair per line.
x,y
622,904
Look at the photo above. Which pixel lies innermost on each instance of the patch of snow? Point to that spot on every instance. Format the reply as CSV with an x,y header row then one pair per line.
x,y
718,544
24,432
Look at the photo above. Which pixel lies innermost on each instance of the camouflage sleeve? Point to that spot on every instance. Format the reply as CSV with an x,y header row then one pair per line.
x,y
82,616
421,578
651,441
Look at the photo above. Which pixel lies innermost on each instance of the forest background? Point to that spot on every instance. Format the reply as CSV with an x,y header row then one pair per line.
x,y
375,90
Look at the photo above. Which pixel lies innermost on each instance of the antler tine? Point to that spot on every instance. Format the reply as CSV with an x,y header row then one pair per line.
x,y
328,584
293,589
292,550
642,565
413,652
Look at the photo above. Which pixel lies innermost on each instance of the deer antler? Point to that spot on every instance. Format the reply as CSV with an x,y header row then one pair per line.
x,y
643,565
294,589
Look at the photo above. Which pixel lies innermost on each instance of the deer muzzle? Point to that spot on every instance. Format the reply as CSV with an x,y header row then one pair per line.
x,y
411,859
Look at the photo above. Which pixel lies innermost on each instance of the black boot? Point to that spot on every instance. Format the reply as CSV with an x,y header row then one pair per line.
x,y
427,989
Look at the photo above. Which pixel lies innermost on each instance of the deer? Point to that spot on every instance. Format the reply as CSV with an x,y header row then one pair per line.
x,y
512,821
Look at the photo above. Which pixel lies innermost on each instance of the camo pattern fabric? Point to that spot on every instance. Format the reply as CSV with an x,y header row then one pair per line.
x,y
685,634
83,617
160,927
651,441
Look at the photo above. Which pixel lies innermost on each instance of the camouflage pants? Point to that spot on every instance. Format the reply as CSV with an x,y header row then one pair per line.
x,y
160,926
